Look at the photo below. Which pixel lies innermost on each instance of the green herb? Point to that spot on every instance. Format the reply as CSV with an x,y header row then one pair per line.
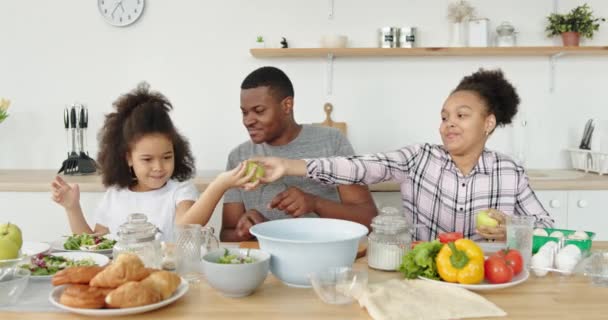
x,y
228,258
420,261
580,20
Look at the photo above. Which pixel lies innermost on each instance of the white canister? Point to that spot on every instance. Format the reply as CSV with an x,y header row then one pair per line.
x,y
479,32
389,37
407,37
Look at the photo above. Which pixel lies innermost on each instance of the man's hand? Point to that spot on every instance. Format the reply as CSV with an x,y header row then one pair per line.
x,y
294,202
497,233
248,220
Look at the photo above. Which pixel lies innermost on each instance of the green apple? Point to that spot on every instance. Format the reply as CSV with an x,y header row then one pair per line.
x,y
259,170
483,219
11,232
8,249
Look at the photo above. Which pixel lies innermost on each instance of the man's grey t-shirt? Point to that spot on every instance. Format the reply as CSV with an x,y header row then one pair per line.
x,y
312,142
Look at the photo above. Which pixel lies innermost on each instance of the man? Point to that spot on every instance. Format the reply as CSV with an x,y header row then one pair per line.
x,y
267,101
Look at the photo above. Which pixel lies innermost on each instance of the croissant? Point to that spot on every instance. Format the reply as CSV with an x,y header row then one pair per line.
x,y
75,275
132,294
127,267
83,296
164,282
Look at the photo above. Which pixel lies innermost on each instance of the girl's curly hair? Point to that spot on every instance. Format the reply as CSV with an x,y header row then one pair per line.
x,y
498,93
138,113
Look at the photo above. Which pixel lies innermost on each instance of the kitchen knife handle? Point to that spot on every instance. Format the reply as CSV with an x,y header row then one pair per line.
x,y
73,117
66,117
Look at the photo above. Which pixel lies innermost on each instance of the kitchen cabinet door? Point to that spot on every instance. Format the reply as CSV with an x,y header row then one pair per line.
x,y
588,211
556,203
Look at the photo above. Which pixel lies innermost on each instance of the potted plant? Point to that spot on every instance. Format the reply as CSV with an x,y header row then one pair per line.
x,y
4,104
259,42
579,22
459,12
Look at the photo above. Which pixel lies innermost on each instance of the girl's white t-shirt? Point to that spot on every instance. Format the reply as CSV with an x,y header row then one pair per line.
x,y
159,205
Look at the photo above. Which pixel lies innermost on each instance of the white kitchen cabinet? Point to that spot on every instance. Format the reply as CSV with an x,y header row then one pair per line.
x,y
556,203
587,210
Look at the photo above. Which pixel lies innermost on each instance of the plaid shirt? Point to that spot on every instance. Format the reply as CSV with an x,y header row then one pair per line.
x,y
435,194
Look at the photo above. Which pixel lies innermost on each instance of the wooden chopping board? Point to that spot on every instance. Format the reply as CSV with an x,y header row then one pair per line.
x,y
328,107
361,251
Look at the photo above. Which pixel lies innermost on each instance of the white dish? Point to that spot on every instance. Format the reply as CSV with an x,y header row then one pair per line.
x,y
58,246
484,286
32,248
99,260
56,293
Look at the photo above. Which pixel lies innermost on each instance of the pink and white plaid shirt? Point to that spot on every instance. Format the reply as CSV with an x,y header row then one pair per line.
x,y
434,192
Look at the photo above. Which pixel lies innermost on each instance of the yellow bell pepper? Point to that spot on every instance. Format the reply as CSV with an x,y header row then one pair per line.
x,y
460,261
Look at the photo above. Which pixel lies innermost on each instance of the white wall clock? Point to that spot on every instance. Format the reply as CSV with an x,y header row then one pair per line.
x,y
120,13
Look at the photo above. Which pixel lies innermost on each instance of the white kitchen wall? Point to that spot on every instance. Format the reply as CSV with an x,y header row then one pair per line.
x,y
53,53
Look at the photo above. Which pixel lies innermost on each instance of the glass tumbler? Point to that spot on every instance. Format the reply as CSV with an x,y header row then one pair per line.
x,y
519,236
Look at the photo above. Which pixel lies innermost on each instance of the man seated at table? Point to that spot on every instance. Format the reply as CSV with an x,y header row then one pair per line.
x,y
267,102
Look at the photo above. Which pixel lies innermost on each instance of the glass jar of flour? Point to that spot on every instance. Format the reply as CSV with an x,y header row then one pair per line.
x,y
389,240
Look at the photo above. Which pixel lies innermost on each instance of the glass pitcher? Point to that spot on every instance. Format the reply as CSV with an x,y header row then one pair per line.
x,y
192,242
138,236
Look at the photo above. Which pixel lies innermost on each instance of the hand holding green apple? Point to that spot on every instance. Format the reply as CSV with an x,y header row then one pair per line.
x,y
259,170
10,241
491,224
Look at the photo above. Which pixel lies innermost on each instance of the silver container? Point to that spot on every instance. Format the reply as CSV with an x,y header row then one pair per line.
x,y
389,37
407,37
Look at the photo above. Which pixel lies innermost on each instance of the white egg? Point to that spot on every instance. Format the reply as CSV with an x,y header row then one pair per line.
x,y
550,247
567,258
557,234
579,235
541,263
540,232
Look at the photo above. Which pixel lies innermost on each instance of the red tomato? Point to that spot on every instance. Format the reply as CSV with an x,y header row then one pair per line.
x,y
496,270
415,243
513,258
450,237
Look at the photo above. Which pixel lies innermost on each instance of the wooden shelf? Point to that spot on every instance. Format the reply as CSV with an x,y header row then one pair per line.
x,y
397,52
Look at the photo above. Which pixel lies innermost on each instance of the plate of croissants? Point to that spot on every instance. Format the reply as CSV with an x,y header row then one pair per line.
x,y
123,287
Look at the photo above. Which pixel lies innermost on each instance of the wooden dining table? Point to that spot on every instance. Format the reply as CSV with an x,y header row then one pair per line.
x,y
551,297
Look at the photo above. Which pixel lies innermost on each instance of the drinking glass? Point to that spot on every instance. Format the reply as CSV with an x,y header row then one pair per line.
x,y
519,236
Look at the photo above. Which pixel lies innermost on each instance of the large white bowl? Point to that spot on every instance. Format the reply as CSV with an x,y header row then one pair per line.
x,y
236,280
302,246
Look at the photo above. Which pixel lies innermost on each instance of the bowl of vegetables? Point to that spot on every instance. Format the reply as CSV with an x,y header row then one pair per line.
x,y
236,272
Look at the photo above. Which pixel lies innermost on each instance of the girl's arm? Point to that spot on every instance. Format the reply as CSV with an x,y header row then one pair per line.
x,y
69,198
200,212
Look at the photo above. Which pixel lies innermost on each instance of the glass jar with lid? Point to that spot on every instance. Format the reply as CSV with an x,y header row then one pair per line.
x,y
138,236
389,240
505,35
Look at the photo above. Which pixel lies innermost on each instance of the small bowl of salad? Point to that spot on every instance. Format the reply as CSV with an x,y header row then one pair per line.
x,y
236,272
89,242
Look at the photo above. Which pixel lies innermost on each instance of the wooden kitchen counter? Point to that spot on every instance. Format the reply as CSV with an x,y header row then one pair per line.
x,y
551,297
40,180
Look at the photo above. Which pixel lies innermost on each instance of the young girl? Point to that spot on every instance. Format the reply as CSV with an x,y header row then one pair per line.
x,y
443,187
146,166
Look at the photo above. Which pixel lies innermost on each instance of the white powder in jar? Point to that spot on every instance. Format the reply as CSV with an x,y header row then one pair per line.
x,y
384,256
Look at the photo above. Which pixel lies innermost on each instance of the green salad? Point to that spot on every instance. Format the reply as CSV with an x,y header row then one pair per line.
x,y
228,258
46,265
88,242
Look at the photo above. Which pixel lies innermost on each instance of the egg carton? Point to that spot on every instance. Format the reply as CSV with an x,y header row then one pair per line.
x,y
557,257
589,161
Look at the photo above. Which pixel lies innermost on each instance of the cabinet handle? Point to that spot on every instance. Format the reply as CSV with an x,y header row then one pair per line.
x,y
582,203
555,204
